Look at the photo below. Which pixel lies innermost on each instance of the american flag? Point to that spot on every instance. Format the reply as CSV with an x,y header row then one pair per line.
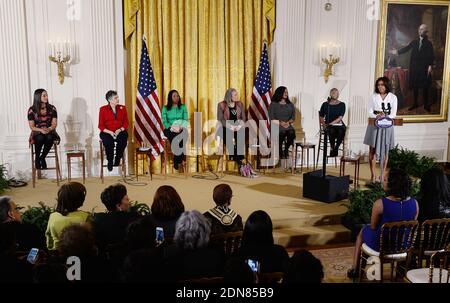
x,y
148,127
262,92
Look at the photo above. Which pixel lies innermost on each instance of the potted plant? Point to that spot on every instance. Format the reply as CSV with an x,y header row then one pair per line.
x,y
38,216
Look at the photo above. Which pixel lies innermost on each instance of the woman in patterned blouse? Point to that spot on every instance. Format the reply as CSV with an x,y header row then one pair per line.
x,y
43,119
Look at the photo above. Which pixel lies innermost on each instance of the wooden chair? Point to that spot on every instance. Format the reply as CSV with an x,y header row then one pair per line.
x,y
52,154
396,242
438,272
230,242
168,156
434,237
122,165
144,155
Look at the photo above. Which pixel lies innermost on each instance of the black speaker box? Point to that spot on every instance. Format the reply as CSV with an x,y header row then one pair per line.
x,y
328,189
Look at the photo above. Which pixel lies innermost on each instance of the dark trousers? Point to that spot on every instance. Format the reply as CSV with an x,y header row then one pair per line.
x,y
336,135
236,154
425,90
108,143
286,140
182,138
43,143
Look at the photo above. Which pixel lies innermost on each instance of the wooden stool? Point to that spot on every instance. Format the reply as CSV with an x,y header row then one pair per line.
x,y
138,152
356,162
122,165
167,154
303,146
52,154
75,154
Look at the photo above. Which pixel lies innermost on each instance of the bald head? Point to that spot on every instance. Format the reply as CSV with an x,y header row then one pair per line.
x,y
423,30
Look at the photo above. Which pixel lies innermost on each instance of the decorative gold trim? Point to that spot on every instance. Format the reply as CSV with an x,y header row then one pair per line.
x,y
442,116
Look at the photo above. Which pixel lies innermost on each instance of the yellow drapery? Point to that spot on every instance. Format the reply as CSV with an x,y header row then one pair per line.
x,y
198,47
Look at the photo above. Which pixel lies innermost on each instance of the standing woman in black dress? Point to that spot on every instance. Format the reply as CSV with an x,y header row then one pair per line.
x,y
43,120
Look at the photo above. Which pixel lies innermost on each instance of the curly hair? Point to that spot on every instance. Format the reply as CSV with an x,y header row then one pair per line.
x,y
192,231
113,195
70,197
399,183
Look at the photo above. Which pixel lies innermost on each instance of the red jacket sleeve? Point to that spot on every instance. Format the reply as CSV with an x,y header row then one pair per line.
x,y
101,120
125,118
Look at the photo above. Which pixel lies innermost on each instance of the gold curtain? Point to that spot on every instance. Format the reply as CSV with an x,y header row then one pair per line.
x,y
198,47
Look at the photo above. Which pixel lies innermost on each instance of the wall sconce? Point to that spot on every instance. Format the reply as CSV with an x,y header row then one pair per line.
x,y
60,53
330,55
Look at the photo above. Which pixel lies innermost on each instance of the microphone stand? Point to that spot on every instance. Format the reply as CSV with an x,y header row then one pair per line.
x,y
325,143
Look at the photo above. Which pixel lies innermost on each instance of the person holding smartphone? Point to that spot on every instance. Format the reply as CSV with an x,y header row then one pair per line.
x,y
113,125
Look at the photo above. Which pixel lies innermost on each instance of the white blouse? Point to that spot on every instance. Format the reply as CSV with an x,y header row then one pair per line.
x,y
376,104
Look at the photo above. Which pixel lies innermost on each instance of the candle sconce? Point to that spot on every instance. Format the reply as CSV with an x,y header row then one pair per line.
x,y
61,54
330,55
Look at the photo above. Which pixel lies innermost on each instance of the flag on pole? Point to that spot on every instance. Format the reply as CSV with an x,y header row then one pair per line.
x,y
148,127
262,92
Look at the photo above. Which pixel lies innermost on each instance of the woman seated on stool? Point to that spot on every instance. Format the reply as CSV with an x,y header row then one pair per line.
x,y
175,120
43,119
231,118
113,125
282,112
397,206
331,114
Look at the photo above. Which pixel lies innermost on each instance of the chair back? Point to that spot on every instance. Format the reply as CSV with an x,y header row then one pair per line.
x,y
230,242
397,237
434,235
440,266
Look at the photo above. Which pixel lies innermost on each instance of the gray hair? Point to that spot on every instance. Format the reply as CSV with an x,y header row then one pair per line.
x,y
192,231
228,95
5,208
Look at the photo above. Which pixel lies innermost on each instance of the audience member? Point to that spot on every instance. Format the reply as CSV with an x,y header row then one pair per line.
x,y
27,235
70,198
190,256
435,200
397,206
304,268
110,227
257,244
166,209
222,218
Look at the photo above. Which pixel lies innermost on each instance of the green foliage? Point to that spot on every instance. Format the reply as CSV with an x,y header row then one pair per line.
x,y
4,182
361,203
38,216
409,160
141,208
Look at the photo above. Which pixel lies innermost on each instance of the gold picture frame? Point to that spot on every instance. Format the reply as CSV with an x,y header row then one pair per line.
x,y
399,20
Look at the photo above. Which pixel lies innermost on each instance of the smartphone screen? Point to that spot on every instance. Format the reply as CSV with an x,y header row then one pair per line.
x,y
254,265
159,234
33,255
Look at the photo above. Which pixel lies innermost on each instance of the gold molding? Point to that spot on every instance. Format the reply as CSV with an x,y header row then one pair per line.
x,y
442,117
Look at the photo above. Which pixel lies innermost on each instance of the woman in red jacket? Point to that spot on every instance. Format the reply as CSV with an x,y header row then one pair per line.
x,y
113,125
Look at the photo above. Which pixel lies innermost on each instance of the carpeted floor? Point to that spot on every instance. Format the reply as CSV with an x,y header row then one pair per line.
x,y
335,262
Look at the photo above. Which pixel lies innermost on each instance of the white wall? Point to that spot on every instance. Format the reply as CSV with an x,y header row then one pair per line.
x,y
301,27
26,26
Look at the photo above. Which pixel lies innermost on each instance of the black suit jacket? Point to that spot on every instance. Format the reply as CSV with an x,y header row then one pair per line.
x,y
419,62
